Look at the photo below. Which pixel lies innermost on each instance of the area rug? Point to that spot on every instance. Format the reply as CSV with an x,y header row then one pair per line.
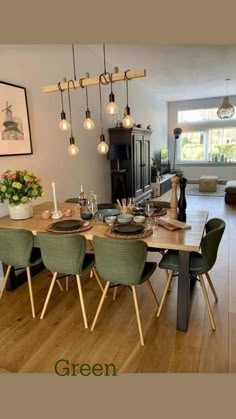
x,y
193,189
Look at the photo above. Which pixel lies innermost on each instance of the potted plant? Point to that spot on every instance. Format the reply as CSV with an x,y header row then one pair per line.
x,y
18,188
155,168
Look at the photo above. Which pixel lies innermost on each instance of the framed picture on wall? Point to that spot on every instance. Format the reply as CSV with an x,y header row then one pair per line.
x,y
15,136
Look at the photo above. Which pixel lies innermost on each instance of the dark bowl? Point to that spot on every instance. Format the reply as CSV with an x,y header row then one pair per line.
x,y
86,215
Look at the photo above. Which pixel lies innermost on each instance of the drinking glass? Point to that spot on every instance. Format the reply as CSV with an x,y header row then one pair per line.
x,y
149,209
131,203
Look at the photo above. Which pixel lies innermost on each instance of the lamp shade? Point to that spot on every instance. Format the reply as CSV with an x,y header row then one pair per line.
x,y
118,152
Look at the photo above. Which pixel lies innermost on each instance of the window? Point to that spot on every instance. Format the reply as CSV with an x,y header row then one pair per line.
x,y
206,138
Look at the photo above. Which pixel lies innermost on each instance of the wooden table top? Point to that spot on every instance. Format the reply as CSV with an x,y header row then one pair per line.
x,y
188,240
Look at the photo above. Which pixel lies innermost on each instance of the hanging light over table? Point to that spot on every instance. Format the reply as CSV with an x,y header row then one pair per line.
x,y
102,146
64,125
72,149
127,121
88,122
112,108
226,110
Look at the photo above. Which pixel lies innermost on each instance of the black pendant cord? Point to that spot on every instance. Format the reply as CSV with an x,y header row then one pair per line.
x,y
62,104
111,83
127,93
105,77
126,78
61,91
86,91
73,55
227,81
100,98
70,81
104,58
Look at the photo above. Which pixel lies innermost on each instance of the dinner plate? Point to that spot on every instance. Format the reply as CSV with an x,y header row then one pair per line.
x,y
128,229
67,225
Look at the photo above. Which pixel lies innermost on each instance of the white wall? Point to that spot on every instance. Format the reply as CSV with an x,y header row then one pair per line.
x,y
34,66
192,172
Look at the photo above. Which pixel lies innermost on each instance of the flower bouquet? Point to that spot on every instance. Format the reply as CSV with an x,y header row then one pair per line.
x,y
18,188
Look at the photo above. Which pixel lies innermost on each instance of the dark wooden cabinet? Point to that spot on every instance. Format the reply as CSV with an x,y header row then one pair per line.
x,y
133,174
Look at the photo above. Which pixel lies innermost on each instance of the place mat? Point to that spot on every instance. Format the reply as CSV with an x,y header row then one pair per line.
x,y
172,224
128,228
52,229
114,235
67,225
157,212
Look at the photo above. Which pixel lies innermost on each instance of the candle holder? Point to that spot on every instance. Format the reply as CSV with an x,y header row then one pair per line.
x,y
56,214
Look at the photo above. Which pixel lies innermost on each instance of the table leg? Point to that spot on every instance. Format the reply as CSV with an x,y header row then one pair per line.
x,y
185,292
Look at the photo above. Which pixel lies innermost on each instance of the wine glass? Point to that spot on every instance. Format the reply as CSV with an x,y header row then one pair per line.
x,y
91,204
149,209
131,204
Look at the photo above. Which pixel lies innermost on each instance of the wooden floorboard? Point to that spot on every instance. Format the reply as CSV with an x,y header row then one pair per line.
x,y
34,345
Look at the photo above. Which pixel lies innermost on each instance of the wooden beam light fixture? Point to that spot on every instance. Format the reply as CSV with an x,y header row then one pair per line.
x,y
94,81
103,79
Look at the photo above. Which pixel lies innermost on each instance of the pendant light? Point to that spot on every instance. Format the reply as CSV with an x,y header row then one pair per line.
x,y
127,121
112,108
64,125
88,122
72,149
102,146
226,110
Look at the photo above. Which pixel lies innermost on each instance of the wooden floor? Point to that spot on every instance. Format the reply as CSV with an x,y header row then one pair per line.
x,y
34,345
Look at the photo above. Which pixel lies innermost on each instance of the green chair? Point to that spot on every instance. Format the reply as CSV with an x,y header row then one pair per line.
x,y
15,251
107,206
65,253
200,263
123,262
72,200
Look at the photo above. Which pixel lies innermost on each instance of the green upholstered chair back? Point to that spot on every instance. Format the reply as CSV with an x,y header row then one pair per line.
x,y
62,253
106,206
16,247
211,241
120,261
73,200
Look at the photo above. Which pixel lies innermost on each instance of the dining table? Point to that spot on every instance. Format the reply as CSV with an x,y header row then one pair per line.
x,y
182,240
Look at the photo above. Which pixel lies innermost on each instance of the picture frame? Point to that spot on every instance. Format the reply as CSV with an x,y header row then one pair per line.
x,y
15,134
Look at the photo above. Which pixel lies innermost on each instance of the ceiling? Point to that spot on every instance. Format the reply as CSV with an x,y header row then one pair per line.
x,y
178,72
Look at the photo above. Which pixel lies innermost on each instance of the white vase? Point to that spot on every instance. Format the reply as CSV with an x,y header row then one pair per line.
x,y
21,211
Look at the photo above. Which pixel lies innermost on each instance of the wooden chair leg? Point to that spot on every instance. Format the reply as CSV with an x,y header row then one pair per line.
x,y
167,276
98,279
100,304
211,286
137,315
207,302
48,294
164,293
5,280
30,291
59,285
114,293
67,282
82,301
153,292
